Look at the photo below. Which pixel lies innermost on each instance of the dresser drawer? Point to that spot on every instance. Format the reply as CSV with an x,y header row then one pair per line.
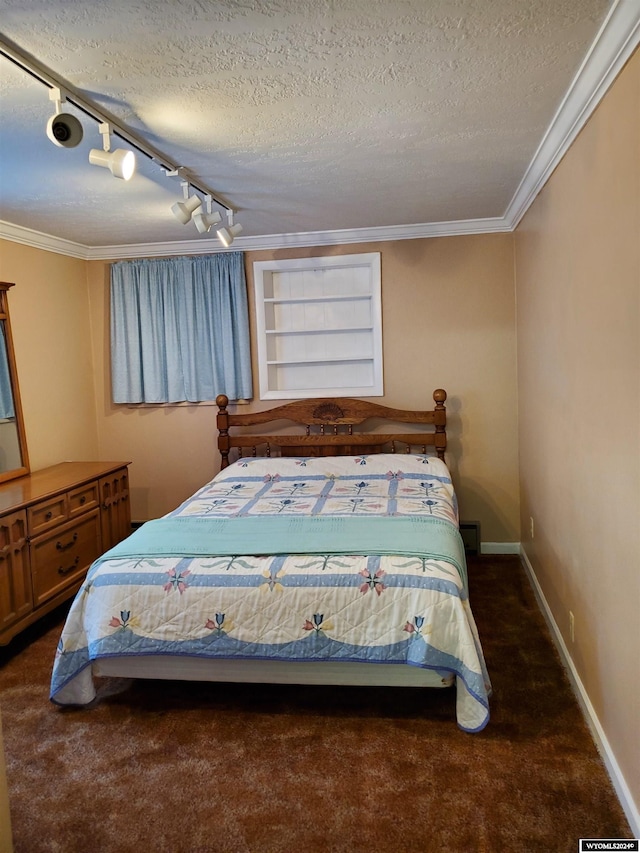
x,y
47,514
61,557
83,498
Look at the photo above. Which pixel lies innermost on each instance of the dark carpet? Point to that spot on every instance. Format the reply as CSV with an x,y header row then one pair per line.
x,y
198,768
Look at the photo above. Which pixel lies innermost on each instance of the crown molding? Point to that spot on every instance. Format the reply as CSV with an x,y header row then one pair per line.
x,y
616,41
39,240
36,239
301,240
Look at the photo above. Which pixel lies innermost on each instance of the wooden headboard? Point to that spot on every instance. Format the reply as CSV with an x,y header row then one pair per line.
x,y
329,428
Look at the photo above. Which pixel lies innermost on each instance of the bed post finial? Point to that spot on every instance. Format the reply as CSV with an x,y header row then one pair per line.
x,y
439,396
222,420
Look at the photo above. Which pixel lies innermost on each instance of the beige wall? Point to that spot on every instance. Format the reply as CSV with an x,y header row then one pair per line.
x,y
49,310
448,321
578,311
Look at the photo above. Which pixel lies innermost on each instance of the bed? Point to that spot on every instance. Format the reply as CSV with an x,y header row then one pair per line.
x,y
324,552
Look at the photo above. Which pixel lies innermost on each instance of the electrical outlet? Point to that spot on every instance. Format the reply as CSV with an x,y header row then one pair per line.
x,y
531,526
572,627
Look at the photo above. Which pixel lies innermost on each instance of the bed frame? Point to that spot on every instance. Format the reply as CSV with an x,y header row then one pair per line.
x,y
329,428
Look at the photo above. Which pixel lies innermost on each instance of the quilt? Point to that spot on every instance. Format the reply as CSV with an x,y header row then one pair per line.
x,y
200,583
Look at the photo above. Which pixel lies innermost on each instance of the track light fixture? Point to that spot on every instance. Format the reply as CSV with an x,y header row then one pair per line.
x,y
227,235
205,221
63,129
184,210
121,163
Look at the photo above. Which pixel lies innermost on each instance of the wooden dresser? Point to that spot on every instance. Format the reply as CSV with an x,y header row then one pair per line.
x,y
53,524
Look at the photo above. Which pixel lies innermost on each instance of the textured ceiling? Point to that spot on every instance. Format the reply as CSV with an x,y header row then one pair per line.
x,y
305,115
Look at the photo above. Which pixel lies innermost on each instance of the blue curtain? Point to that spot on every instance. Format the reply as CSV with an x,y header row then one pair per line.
x,y
180,329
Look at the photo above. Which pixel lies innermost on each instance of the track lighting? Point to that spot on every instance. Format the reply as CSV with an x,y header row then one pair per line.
x,y
120,162
205,221
63,129
184,210
66,131
227,235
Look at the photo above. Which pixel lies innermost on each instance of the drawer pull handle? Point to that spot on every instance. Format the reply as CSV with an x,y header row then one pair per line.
x,y
65,571
61,547
49,515
83,500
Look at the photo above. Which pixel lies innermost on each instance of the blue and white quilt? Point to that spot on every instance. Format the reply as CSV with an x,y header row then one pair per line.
x,y
291,559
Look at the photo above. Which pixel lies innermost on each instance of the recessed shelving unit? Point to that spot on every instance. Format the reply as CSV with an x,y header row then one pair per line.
x,y
319,327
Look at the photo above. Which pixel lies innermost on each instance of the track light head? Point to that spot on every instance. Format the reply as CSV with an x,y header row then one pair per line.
x,y
121,163
63,129
184,210
227,235
205,221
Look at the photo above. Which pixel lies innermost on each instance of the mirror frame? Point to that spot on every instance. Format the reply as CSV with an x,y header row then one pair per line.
x,y
13,373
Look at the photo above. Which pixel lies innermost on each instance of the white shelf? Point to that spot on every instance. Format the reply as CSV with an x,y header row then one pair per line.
x,y
321,360
284,300
318,331
319,326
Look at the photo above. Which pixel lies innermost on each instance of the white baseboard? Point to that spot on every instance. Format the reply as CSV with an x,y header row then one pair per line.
x,y
499,547
604,747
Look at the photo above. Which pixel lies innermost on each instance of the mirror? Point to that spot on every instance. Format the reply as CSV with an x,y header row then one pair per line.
x,y
14,460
